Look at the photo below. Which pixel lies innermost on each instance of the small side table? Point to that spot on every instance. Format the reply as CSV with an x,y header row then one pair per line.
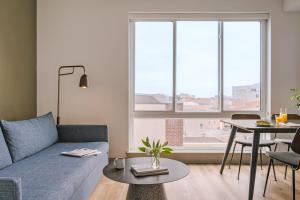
x,y
148,187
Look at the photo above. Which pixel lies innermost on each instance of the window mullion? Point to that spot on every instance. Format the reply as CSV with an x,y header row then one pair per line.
x,y
263,67
221,67
174,66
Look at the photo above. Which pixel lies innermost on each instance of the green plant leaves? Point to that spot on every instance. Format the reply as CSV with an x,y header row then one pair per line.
x,y
167,149
146,142
295,96
142,149
167,153
156,147
157,144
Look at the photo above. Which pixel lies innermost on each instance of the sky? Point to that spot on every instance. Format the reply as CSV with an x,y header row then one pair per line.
x,y
196,57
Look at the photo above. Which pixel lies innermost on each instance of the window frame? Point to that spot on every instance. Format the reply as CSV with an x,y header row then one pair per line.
x,y
221,113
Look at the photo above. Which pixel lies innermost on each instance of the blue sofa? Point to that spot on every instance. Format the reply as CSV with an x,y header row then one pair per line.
x,y
31,167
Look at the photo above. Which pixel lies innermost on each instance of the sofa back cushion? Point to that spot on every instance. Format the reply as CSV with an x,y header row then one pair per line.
x,y
28,137
5,158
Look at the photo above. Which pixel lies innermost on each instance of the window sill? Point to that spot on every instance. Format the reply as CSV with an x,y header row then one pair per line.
x,y
196,151
200,157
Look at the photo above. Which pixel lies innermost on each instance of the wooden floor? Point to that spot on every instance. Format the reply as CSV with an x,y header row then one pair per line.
x,y
204,182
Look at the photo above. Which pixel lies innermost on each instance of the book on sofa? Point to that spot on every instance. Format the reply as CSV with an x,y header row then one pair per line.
x,y
81,152
145,170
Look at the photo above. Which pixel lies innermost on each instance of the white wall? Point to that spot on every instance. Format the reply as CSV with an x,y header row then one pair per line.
x,y
95,33
291,5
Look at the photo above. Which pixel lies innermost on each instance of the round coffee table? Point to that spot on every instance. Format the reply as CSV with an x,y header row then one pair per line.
x,y
148,187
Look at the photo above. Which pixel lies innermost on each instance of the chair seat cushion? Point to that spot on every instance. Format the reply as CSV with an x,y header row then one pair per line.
x,y
284,141
5,158
27,137
262,143
48,175
290,158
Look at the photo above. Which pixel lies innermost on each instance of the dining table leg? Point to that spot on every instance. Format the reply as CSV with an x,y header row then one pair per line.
x,y
253,165
229,144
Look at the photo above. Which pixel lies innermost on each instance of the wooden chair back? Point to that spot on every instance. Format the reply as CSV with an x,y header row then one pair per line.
x,y
245,116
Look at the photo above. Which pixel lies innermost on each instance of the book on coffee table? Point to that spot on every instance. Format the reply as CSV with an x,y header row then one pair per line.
x,y
146,170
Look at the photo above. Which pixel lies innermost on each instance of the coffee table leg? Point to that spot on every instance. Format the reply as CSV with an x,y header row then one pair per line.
x,y
146,192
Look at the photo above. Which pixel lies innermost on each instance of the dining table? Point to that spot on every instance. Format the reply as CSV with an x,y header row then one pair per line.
x,y
256,131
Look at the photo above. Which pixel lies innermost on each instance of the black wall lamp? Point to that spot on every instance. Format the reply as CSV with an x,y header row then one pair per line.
x,y
83,83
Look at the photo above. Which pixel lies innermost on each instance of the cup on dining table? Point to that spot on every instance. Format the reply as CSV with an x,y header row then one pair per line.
x,y
279,119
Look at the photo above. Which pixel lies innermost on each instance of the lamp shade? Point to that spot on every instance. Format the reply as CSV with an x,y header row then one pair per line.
x,y
83,81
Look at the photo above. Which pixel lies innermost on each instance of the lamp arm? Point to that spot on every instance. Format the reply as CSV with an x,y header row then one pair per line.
x,y
69,73
73,69
58,84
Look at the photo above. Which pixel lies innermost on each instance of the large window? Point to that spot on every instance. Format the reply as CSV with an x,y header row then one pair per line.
x,y
187,75
197,80
242,65
153,65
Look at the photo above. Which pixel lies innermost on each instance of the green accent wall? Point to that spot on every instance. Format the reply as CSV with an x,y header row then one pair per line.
x,y
17,59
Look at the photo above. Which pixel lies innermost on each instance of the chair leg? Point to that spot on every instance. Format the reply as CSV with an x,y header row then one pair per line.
x,y
267,178
260,155
294,194
274,171
232,155
241,158
285,173
275,147
273,166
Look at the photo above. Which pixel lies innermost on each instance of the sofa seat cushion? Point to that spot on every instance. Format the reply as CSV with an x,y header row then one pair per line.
x,y
5,158
27,137
48,175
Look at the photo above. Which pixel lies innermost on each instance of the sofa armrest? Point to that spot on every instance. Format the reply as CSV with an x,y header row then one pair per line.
x,y
82,133
10,188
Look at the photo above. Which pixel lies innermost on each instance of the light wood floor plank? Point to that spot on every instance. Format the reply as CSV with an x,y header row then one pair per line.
x,y
204,182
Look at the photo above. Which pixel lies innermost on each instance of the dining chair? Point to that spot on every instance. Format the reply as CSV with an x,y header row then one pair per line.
x,y
248,142
287,142
289,158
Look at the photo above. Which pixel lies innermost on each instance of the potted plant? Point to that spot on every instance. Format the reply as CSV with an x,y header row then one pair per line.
x,y
295,97
155,149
